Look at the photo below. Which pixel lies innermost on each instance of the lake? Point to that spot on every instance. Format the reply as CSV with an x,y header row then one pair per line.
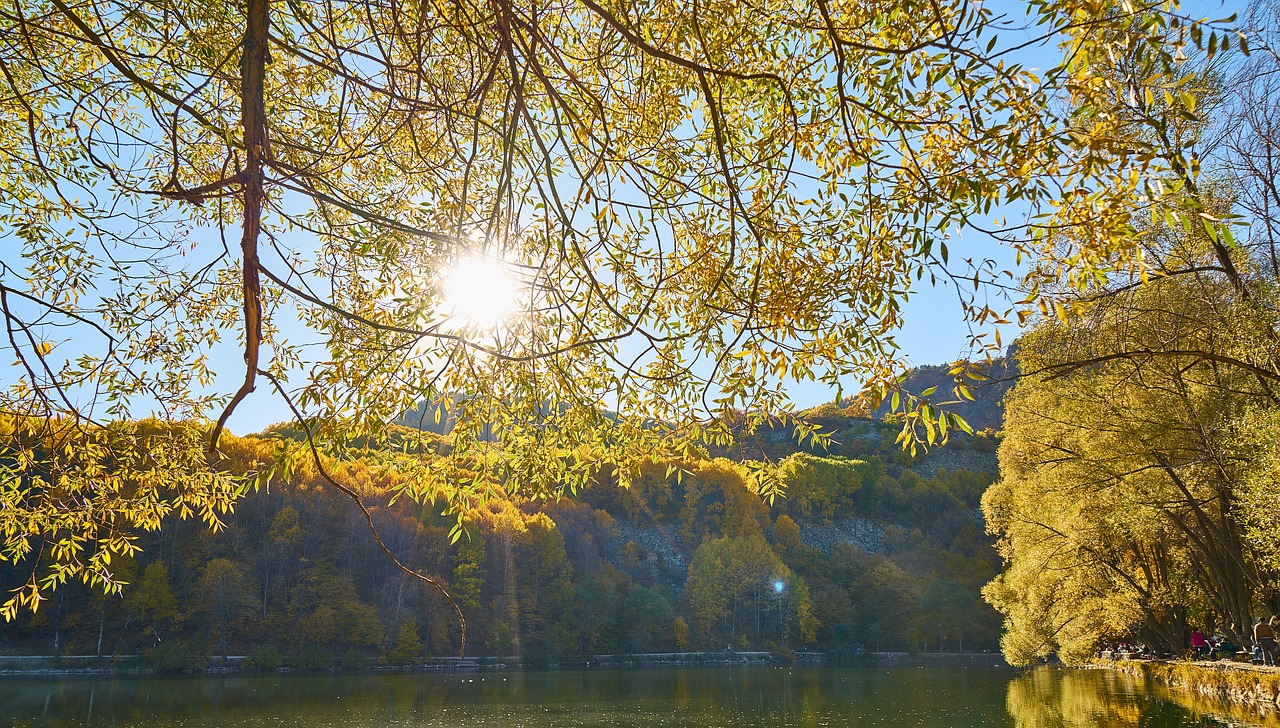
x,y
653,698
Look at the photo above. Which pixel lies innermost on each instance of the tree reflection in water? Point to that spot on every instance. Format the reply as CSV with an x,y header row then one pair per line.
x,y
873,696
1060,698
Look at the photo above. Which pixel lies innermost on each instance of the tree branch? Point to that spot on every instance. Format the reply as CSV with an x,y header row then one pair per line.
x,y
253,71
355,497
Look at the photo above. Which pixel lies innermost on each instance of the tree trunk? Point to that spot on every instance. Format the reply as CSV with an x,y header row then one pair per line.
x,y
102,625
57,627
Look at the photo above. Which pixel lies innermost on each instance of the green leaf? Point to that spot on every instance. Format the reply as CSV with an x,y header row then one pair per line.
x,y
1210,229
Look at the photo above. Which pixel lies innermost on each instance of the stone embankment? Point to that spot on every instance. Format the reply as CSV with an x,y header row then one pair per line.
x,y
132,664
1236,683
696,658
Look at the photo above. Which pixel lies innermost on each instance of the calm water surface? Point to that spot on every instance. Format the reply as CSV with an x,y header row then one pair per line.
x,y
773,697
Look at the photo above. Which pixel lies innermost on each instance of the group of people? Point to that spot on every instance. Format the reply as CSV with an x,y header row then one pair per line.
x,y
1207,647
1265,649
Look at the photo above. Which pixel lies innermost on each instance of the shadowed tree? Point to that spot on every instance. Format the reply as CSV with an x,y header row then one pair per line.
x,y
225,599
407,649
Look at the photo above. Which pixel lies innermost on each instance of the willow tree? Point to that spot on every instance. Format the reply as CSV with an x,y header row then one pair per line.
x,y
687,204
1251,151
1132,447
1117,508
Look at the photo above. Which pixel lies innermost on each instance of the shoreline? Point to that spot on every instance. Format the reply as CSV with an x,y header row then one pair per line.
x,y
1233,684
132,665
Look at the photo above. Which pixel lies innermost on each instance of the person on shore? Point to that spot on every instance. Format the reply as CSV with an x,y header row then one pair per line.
x,y
1265,637
1199,645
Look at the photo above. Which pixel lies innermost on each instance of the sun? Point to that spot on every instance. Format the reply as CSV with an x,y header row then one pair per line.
x,y
480,292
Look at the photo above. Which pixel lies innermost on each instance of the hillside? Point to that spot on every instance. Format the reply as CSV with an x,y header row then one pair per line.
x,y
985,411
874,551
868,548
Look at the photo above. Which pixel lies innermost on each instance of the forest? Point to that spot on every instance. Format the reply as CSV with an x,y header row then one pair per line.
x,y
868,550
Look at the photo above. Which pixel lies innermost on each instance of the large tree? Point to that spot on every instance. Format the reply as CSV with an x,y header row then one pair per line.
x,y
1136,470
692,203
1116,507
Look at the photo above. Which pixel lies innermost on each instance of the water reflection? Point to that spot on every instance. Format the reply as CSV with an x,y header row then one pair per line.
x,y
1055,698
808,698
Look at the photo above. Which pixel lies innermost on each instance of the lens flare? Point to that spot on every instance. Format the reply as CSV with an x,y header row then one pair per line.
x,y
480,292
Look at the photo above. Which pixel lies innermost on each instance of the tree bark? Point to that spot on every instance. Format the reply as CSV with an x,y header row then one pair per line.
x,y
253,122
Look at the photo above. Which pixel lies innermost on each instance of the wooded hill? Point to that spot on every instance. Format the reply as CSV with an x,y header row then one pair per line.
x,y
868,549
985,410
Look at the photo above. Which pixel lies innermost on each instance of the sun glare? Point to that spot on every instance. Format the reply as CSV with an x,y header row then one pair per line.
x,y
480,292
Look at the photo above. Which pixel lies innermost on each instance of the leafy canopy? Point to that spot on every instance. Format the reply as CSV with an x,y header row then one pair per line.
x,y
699,200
